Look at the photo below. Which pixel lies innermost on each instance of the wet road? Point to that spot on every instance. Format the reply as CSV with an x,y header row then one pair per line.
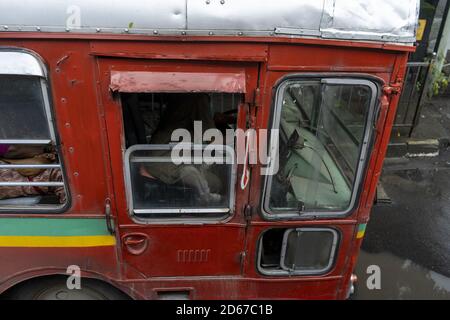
x,y
410,239
400,279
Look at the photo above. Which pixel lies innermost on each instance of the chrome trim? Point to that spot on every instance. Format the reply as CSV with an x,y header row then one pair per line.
x,y
372,20
32,184
129,193
152,211
20,63
25,141
48,111
349,79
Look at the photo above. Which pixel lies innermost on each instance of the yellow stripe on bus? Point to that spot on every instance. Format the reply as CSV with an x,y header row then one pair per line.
x,y
360,234
56,242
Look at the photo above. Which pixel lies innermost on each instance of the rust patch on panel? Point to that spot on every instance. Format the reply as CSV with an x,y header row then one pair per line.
x,y
171,82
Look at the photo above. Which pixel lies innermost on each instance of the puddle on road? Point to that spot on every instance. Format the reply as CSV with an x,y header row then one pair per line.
x,y
400,279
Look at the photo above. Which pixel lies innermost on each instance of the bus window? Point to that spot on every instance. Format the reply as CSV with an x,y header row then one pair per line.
x,y
167,179
30,172
323,135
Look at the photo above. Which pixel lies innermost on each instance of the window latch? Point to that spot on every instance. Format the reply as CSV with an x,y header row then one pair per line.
x,y
108,216
394,88
257,98
248,211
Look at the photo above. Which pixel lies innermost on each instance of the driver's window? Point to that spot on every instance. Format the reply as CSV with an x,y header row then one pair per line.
x,y
323,136
197,178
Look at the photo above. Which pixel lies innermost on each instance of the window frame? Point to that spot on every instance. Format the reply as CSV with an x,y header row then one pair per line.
x,y
48,114
312,271
36,68
374,83
143,215
337,236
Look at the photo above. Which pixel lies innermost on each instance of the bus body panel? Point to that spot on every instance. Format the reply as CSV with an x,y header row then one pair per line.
x,y
90,132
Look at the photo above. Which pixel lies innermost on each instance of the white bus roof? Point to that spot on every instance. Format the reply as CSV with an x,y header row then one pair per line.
x,y
393,21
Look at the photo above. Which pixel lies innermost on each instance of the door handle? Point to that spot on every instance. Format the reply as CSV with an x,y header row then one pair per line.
x,y
108,216
135,243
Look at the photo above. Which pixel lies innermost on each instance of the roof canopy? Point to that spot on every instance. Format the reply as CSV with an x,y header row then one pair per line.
x,y
379,20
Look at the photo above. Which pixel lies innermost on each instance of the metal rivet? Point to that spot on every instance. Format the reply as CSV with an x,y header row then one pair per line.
x,y
222,1
240,33
155,31
211,33
5,27
71,149
76,174
183,33
38,28
126,30
208,1
67,30
98,30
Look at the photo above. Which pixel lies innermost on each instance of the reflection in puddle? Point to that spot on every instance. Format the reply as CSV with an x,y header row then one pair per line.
x,y
400,279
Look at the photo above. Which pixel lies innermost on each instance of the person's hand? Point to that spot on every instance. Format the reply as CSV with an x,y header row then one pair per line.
x,y
144,172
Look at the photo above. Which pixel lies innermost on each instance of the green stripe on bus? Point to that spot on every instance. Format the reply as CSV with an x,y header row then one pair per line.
x,y
362,227
361,231
52,227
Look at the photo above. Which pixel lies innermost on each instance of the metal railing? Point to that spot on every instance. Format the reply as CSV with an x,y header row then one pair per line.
x,y
31,183
409,106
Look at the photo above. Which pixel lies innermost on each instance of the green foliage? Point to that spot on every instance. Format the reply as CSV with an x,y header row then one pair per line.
x,y
440,84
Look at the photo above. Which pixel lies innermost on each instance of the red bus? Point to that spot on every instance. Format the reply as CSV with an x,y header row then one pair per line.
x,y
298,97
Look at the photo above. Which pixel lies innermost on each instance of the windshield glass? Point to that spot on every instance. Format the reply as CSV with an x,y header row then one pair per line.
x,y
322,134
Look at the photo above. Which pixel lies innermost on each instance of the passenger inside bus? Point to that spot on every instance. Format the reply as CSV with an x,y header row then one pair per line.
x,y
151,119
11,154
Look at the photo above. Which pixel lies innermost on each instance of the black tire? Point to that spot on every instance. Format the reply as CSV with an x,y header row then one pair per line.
x,y
55,288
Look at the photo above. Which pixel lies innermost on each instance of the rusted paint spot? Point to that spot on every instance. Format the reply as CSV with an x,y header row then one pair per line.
x,y
177,82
